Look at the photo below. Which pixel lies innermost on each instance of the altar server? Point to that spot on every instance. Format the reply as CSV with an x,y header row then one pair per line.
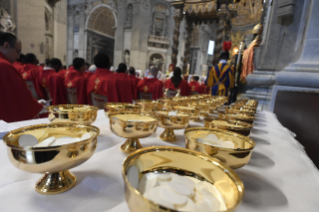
x,y
177,83
151,84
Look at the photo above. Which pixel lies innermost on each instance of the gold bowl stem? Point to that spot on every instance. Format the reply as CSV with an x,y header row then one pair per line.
x,y
168,135
131,145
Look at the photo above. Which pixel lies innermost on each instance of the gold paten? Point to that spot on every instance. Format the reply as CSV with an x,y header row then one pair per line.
x,y
80,114
171,123
231,124
234,158
193,112
184,162
133,127
116,108
53,161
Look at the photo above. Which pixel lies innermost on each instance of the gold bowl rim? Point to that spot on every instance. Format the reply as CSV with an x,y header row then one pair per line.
x,y
230,172
249,140
243,126
160,113
51,108
121,105
121,113
51,125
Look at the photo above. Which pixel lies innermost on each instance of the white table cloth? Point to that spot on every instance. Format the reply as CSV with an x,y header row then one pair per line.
x,y
279,176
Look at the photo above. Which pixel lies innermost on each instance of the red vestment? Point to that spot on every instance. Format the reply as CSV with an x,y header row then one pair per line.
x,y
88,74
77,80
195,86
124,88
18,66
203,89
134,83
16,103
151,85
103,82
63,73
44,77
58,91
30,72
183,86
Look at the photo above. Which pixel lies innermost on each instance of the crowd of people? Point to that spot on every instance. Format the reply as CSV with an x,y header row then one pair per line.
x,y
24,81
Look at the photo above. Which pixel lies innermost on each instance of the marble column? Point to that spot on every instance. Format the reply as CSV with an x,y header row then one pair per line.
x,y
187,52
70,35
220,37
119,38
177,20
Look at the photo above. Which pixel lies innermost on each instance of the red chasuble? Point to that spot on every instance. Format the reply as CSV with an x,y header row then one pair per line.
x,y
134,83
31,72
124,88
203,89
103,82
58,91
88,74
16,103
44,77
77,80
151,85
195,86
18,66
183,86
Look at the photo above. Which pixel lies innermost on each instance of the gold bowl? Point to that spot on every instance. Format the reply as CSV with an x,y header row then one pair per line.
x,y
183,162
193,111
234,125
132,127
115,108
238,116
234,158
53,161
149,106
228,109
171,123
80,114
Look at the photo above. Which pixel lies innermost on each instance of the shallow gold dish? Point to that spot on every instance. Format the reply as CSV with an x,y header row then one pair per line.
x,y
234,158
116,108
53,161
149,106
193,112
184,162
81,114
234,125
132,127
171,123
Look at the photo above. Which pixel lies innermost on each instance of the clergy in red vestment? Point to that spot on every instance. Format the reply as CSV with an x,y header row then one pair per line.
x,y
31,72
134,81
52,66
124,87
151,84
16,103
76,79
90,71
177,83
194,85
103,81
20,63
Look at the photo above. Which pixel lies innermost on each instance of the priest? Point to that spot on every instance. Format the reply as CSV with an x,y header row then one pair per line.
x,y
125,84
134,82
151,85
20,63
16,103
194,85
177,83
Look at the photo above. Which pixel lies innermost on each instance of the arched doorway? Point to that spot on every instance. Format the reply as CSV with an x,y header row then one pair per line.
x,y
101,27
157,60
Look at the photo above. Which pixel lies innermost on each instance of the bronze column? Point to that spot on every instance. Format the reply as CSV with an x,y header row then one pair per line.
x,y
189,30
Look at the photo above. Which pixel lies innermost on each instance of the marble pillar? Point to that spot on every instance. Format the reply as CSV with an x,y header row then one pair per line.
x,y
119,41
187,52
177,20
220,37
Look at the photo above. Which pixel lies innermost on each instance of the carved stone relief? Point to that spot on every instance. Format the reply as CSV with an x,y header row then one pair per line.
x,y
6,24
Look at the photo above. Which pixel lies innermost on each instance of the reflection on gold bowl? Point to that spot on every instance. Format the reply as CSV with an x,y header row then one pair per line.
x,y
116,108
149,106
171,123
184,162
193,112
238,116
234,158
133,127
81,114
234,125
53,161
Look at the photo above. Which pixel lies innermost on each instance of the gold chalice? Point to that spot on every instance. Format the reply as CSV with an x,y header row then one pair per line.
x,y
187,164
193,111
149,106
132,127
171,122
115,108
234,125
200,139
238,116
81,114
53,161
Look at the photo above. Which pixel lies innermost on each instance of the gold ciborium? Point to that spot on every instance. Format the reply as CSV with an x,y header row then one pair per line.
x,y
199,139
149,106
116,108
132,127
81,114
193,111
53,161
170,123
187,164
234,125
238,116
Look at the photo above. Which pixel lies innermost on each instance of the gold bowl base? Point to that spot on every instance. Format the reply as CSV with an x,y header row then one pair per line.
x,y
131,145
55,183
168,135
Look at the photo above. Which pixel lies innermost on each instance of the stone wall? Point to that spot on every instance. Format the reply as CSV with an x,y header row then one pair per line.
x,y
60,30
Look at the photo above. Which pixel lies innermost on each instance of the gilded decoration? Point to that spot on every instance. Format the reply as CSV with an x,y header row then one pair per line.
x,y
102,20
248,13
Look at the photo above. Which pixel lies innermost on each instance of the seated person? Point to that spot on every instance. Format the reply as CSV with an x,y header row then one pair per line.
x,y
151,84
76,79
194,85
177,83
20,63
16,103
134,80
125,84
52,66
103,81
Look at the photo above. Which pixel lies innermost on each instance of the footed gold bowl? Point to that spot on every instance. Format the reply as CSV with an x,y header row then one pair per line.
x,y
132,127
53,161
193,111
239,116
171,123
233,157
184,162
149,106
116,108
229,124
81,114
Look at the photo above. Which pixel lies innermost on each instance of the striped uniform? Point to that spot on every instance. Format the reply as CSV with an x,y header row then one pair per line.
x,y
220,78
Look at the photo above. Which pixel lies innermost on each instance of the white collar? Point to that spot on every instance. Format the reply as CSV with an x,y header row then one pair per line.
x,y
47,68
223,61
150,76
